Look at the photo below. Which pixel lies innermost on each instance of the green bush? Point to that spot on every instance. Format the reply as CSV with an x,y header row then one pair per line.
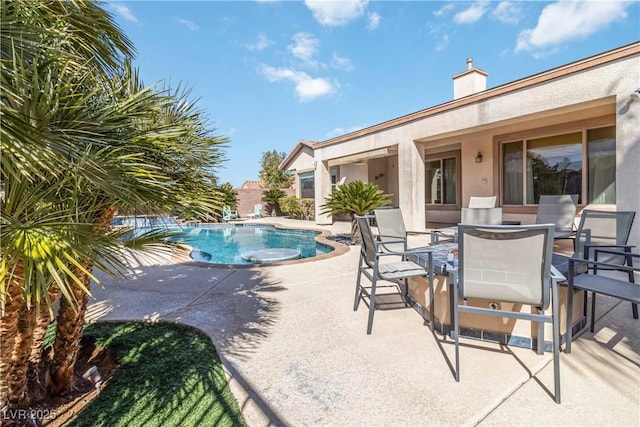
x,y
289,206
308,209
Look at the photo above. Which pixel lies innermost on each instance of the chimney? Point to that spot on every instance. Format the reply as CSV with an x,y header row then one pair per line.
x,y
471,81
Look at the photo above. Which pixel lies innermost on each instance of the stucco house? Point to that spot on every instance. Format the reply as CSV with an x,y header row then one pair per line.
x,y
574,129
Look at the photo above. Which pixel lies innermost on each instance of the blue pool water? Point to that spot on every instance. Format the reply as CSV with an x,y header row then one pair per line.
x,y
225,243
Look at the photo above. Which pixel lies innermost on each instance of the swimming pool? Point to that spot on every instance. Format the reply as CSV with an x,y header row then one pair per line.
x,y
227,243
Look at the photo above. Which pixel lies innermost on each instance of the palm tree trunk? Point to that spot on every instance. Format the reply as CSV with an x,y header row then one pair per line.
x,y
10,393
71,319
21,353
37,375
43,320
68,334
355,236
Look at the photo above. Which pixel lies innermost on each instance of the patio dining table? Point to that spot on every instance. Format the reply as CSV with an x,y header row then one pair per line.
x,y
442,266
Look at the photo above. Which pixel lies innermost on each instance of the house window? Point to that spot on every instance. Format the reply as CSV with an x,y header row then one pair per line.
x,y
441,186
554,165
334,178
307,185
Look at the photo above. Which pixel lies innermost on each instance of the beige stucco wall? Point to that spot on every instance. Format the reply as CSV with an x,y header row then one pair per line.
x,y
354,172
570,98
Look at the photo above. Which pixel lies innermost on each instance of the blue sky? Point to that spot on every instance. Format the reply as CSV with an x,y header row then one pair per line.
x,y
270,73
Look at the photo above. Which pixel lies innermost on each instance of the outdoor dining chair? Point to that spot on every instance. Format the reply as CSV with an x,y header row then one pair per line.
x,y
482,202
509,264
559,210
606,230
391,227
487,216
371,265
598,284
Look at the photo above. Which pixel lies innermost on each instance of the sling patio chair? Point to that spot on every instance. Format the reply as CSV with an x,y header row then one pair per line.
x,y
372,252
559,210
509,264
485,216
391,227
482,202
606,230
605,285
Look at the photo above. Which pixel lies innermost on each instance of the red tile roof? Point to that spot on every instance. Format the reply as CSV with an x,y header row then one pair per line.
x,y
252,185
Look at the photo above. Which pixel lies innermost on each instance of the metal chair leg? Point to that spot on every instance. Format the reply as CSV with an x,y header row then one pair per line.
x,y
556,341
356,301
593,311
372,306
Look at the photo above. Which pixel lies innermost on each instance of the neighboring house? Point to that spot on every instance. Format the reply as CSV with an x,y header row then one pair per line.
x,y
574,129
250,194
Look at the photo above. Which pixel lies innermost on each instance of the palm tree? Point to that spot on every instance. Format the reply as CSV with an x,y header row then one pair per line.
x,y
355,198
80,138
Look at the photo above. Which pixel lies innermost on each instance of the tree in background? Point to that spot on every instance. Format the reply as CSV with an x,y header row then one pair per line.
x,y
229,195
271,175
274,179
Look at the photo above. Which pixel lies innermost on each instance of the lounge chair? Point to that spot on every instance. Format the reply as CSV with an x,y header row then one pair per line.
x,y
257,211
228,213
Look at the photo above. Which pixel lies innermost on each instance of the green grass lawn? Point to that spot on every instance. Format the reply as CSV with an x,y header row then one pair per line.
x,y
169,375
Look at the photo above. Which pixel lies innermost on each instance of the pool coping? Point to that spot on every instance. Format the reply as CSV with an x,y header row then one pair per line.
x,y
322,238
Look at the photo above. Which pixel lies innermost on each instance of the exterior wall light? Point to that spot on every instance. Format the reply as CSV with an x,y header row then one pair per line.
x,y
635,94
479,157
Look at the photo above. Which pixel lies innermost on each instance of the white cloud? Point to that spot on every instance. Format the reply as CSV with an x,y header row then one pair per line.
x,y
566,20
444,9
507,12
341,131
472,14
189,24
123,11
442,44
307,87
335,13
262,43
305,48
374,21
341,63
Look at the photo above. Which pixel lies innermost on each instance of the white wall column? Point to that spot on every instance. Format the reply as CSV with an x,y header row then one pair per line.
x,y
322,187
411,185
628,158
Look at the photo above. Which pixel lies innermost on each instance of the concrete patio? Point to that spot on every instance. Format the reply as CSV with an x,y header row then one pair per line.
x,y
297,354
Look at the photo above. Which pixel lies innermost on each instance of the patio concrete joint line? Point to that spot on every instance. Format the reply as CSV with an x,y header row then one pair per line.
x,y
216,283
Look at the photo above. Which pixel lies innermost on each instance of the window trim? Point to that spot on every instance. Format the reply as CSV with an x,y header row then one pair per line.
x,y
457,155
581,127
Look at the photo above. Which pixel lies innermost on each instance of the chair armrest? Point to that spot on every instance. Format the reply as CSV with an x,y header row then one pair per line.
x,y
595,263
379,243
394,239
419,232
587,248
404,253
624,253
